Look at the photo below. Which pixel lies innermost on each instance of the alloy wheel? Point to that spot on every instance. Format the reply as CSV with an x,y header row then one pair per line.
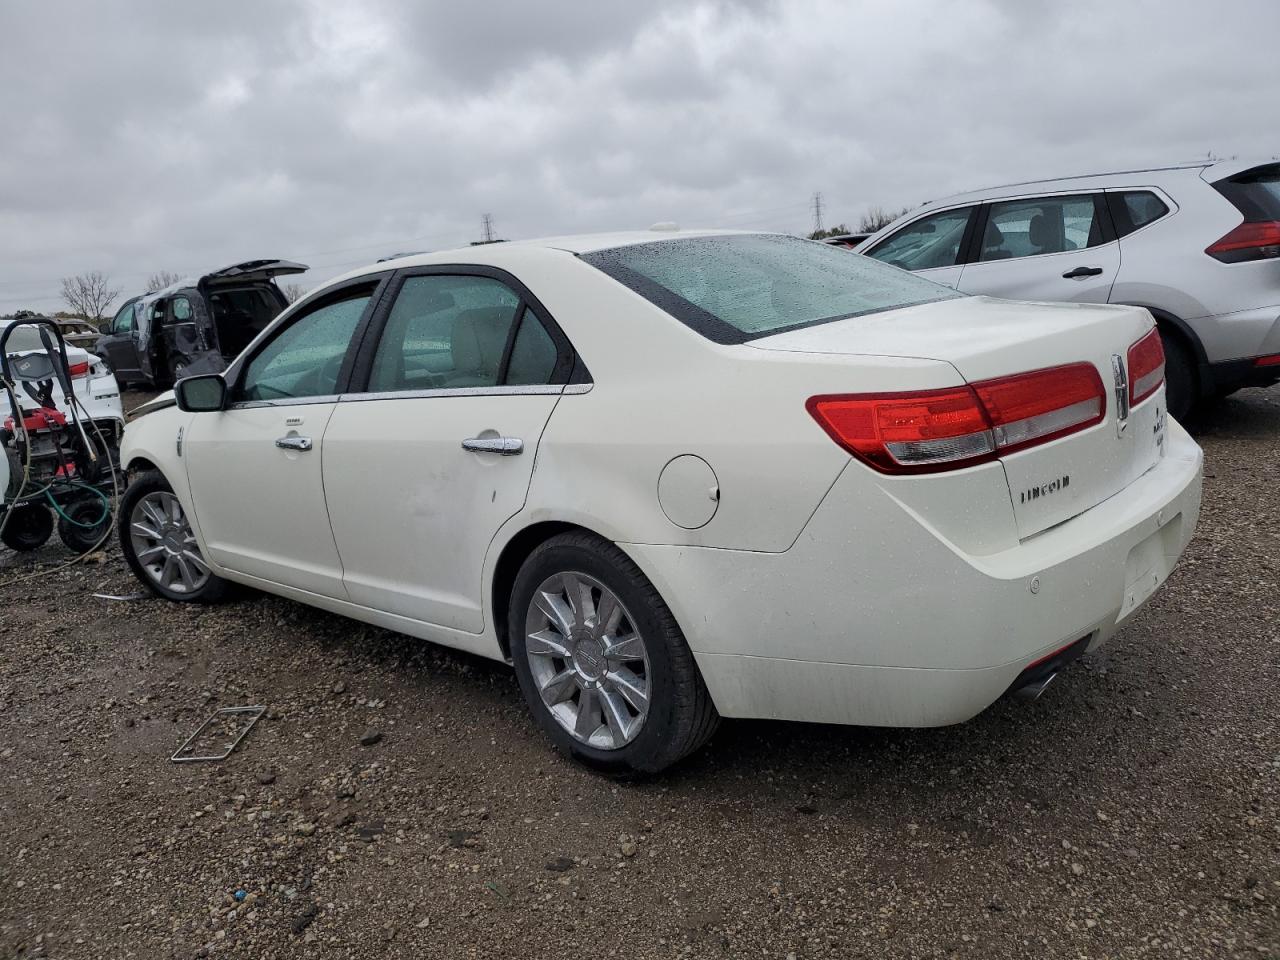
x,y
161,537
588,660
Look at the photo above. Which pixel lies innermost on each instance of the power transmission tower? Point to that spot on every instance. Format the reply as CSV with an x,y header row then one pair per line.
x,y
817,212
487,222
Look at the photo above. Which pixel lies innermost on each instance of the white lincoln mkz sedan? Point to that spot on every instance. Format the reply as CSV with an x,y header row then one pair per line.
x,y
674,476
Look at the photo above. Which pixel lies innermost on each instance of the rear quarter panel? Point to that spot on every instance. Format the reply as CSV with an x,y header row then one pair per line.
x,y
658,391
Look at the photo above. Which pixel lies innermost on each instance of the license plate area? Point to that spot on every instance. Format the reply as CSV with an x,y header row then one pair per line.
x,y
1148,565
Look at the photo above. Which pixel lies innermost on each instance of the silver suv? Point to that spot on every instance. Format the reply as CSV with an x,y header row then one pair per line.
x,y
1197,244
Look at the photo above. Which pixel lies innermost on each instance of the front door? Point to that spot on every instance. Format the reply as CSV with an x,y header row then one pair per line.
x,y
1057,248
254,468
422,468
118,347
930,246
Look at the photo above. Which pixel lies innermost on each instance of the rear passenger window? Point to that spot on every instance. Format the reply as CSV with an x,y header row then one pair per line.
x,y
450,332
1132,209
533,355
1030,228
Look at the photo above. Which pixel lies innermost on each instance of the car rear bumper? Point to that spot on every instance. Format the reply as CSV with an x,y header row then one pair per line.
x,y
1237,374
871,618
1232,340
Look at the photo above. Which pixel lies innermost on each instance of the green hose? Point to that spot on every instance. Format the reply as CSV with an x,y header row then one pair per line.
x,y
106,507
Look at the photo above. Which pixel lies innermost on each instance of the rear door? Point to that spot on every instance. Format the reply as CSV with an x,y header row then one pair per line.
x,y
1055,248
424,465
931,246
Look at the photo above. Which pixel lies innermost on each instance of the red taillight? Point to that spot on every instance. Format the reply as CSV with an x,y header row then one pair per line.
x,y
1146,367
1043,405
1249,241
943,429
1271,360
78,369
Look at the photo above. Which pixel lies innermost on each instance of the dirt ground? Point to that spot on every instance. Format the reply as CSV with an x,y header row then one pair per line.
x,y
1130,812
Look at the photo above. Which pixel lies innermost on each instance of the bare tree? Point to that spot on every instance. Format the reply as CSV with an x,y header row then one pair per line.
x,y
161,279
877,217
89,294
293,292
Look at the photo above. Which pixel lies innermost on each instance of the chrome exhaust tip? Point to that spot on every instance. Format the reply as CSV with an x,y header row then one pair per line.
x,y
1032,690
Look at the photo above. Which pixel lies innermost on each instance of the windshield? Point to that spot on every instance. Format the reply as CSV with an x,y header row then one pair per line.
x,y
736,288
26,337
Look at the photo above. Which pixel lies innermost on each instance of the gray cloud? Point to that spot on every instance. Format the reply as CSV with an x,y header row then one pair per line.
x,y
150,135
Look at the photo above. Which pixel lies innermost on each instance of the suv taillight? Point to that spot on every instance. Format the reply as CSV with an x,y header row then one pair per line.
x,y
1249,241
936,430
1146,367
78,369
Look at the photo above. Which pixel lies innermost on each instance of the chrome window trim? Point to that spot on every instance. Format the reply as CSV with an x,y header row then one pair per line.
x,y
532,390
284,402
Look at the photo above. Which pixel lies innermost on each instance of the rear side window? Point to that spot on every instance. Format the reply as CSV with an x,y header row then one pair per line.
x,y
927,243
445,332
533,354
1030,228
1255,193
736,288
1133,209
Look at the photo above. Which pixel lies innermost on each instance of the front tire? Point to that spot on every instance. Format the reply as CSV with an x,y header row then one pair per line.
x,y
601,661
160,546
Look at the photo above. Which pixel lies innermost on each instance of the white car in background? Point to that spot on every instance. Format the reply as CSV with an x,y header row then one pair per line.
x,y
93,382
676,476
1197,244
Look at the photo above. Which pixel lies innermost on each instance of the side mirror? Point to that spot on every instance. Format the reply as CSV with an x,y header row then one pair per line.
x,y
201,394
104,327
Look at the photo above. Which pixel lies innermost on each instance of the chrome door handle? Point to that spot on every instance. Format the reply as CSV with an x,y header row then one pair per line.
x,y
506,446
294,443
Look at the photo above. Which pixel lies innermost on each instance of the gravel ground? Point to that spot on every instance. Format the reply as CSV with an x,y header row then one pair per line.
x,y
1130,812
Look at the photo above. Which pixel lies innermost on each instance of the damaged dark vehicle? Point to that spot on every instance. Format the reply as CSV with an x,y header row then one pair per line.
x,y
195,325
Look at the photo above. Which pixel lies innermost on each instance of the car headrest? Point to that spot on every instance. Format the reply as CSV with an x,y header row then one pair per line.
x,y
1038,231
478,338
993,237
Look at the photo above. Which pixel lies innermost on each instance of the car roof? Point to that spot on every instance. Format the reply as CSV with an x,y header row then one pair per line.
x,y
1207,169
496,254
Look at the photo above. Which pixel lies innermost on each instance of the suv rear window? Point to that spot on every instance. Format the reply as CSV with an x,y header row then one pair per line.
x,y
1131,209
1255,193
736,288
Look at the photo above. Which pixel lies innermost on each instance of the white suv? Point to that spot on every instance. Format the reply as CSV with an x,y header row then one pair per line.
x,y
1196,244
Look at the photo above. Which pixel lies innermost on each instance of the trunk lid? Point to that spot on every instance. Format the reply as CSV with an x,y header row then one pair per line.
x,y
255,270
985,338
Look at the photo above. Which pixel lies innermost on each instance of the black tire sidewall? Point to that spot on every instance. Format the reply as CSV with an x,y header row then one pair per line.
x,y
1179,378
83,539
21,520
646,751
154,482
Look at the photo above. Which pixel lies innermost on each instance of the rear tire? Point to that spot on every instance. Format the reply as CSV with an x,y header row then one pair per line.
x,y
27,527
159,545
1181,382
626,668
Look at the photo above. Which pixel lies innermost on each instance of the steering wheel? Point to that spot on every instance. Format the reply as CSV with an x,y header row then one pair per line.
x,y
321,380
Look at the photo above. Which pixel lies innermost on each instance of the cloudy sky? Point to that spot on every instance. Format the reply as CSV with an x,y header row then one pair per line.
x,y
140,136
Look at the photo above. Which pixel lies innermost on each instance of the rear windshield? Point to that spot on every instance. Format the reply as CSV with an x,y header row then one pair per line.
x,y
1255,193
736,288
